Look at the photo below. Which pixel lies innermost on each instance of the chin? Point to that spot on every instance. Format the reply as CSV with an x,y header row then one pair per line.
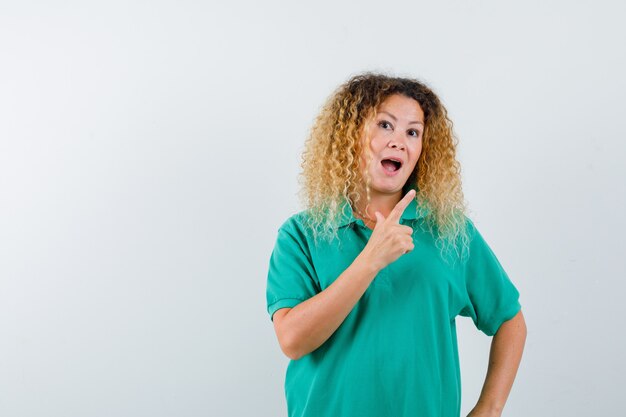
x,y
390,189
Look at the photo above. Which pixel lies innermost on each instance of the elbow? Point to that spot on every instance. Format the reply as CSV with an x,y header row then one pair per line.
x,y
292,355
289,339
290,348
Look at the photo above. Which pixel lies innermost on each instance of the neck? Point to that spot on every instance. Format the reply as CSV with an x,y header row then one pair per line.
x,y
382,203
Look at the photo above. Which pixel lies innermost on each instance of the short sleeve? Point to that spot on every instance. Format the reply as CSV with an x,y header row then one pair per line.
x,y
493,297
291,277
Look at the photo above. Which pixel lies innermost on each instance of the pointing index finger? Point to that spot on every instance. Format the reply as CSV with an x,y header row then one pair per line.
x,y
397,211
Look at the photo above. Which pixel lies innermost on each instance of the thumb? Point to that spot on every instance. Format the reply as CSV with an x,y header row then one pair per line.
x,y
379,218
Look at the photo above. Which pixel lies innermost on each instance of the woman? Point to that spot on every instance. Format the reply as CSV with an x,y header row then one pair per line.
x,y
365,284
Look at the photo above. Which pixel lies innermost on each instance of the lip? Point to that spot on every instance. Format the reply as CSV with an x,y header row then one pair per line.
x,y
395,157
389,173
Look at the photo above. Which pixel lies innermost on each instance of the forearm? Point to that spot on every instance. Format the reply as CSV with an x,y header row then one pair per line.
x,y
309,324
504,358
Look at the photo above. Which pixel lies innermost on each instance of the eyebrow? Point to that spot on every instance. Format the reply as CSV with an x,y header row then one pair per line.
x,y
395,119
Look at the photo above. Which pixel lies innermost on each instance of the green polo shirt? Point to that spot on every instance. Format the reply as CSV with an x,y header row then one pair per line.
x,y
396,353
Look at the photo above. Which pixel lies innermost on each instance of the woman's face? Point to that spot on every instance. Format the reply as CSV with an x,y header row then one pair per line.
x,y
396,134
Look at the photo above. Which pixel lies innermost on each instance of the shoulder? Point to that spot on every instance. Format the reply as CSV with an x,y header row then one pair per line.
x,y
295,228
478,245
470,226
295,222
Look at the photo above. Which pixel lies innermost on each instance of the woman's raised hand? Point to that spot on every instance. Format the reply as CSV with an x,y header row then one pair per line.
x,y
390,239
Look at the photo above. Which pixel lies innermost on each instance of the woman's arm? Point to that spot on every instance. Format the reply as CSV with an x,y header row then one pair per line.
x,y
305,327
504,359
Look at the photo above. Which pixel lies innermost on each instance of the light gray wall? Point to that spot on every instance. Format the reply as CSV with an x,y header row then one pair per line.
x,y
149,152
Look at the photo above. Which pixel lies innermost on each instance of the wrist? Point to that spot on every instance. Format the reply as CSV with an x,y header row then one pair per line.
x,y
365,262
487,409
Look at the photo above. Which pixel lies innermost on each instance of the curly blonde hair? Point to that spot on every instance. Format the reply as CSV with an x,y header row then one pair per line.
x,y
330,161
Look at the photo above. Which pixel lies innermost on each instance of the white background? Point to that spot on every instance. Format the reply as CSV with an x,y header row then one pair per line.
x,y
149,151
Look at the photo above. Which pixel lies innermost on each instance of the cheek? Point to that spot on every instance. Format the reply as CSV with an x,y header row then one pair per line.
x,y
365,161
417,149
362,160
416,152
368,150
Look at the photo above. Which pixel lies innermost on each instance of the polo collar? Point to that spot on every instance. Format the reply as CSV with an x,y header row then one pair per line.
x,y
411,212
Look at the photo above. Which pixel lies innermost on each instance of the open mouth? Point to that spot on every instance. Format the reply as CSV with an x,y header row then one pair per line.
x,y
391,165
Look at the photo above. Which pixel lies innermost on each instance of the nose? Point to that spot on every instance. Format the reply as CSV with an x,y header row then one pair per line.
x,y
397,144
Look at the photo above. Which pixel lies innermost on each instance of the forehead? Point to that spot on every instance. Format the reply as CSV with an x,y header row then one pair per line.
x,y
402,105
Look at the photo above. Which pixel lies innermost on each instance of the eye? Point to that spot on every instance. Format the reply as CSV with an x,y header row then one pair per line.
x,y
414,133
384,124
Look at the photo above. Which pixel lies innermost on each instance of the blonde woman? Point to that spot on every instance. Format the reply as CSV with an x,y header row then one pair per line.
x,y
364,285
